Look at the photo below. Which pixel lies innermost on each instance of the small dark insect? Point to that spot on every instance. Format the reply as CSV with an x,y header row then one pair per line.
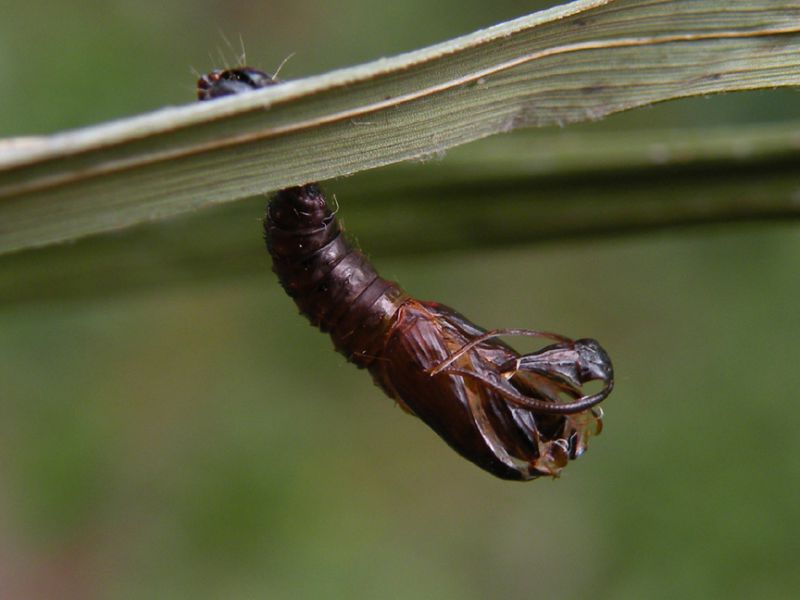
x,y
517,416
219,83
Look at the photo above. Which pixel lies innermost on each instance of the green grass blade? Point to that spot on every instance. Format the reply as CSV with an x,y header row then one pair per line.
x,y
575,62
484,196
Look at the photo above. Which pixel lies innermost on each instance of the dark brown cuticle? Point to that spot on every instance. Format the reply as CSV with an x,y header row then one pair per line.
x,y
501,410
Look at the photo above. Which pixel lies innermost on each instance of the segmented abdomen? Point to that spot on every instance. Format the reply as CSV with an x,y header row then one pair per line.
x,y
497,408
332,283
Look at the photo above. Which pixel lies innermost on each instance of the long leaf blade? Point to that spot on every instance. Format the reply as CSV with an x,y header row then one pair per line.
x,y
574,62
485,196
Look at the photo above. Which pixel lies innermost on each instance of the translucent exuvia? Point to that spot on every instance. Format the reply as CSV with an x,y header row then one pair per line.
x,y
518,416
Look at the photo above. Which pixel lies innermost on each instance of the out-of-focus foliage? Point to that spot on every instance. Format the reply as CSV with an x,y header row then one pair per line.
x,y
205,442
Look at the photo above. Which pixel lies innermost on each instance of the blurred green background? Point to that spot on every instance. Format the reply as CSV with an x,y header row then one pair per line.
x,y
200,440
